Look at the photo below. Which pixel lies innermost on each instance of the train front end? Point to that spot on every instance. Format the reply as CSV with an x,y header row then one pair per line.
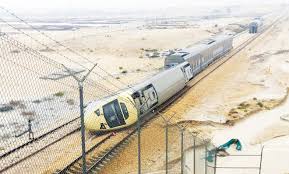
x,y
111,113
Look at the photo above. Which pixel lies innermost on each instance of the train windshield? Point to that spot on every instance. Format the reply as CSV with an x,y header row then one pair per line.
x,y
113,114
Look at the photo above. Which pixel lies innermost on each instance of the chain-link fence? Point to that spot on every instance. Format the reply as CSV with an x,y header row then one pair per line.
x,y
38,113
36,109
168,147
164,147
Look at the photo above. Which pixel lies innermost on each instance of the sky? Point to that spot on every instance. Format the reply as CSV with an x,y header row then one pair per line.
x,y
105,8
121,4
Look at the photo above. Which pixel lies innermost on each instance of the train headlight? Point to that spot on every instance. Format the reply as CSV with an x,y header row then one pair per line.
x,y
97,112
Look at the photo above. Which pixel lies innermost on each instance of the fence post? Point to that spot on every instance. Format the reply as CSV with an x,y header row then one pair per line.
x,y
260,167
167,147
215,167
194,155
206,161
182,151
139,145
82,128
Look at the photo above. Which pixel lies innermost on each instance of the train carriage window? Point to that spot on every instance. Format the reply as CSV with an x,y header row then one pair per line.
x,y
152,95
124,110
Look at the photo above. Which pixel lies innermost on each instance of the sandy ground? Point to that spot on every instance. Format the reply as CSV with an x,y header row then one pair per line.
x,y
115,50
119,50
253,83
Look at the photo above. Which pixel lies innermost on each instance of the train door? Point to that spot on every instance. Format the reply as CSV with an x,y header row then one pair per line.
x,y
187,70
137,100
145,98
150,96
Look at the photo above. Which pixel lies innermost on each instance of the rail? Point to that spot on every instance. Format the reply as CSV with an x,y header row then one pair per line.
x,y
98,161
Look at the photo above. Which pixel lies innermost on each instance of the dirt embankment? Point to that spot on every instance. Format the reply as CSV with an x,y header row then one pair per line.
x,y
253,106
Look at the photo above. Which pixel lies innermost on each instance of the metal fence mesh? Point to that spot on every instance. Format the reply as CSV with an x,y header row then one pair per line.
x,y
32,105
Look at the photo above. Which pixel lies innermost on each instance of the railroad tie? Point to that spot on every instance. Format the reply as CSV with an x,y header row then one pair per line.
x,y
101,165
106,160
71,170
78,168
79,163
95,170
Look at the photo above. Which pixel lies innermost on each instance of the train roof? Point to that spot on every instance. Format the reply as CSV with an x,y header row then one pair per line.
x,y
156,77
200,46
92,105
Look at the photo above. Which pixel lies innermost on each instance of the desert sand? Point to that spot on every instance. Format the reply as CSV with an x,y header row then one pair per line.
x,y
243,83
119,51
259,72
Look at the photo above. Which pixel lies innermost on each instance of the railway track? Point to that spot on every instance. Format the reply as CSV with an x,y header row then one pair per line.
x,y
32,147
96,162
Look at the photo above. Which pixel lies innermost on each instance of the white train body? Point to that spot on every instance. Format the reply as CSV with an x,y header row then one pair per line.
x,y
124,108
202,53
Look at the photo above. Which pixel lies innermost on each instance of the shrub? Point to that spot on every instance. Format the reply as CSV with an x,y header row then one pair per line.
x,y
70,102
36,101
124,71
260,104
243,105
22,106
28,113
14,103
59,94
15,51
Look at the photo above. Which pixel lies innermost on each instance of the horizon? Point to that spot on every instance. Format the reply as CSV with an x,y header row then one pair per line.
x,y
113,8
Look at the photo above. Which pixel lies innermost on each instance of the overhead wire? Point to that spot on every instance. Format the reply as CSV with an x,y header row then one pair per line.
x,y
45,59
46,46
59,43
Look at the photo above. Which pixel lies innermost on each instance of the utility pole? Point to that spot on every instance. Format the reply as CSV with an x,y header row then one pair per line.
x,y
139,145
139,136
167,122
80,81
81,106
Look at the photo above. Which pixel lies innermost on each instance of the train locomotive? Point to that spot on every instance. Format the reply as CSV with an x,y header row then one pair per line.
x,y
124,108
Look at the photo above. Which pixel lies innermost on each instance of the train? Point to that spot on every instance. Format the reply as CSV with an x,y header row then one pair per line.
x,y
255,25
202,53
127,106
